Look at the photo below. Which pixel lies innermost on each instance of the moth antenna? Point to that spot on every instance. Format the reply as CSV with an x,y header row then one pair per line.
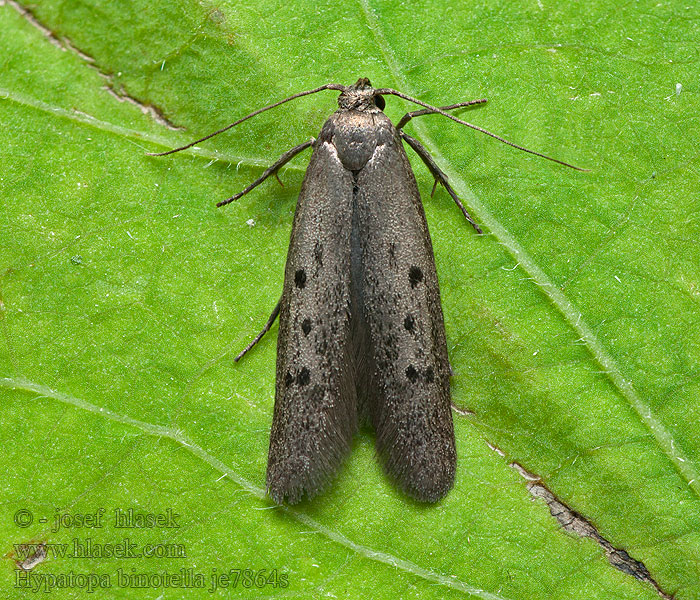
x,y
328,86
385,91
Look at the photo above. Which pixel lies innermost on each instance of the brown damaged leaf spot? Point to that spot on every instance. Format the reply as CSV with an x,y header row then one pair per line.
x,y
574,523
147,109
32,20
465,412
30,555
67,46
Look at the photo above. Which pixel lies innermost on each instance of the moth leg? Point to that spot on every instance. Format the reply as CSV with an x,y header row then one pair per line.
x,y
437,173
268,325
428,111
271,170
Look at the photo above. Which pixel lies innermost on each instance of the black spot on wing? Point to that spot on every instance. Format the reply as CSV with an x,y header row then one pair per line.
x,y
413,374
304,376
306,326
300,278
415,276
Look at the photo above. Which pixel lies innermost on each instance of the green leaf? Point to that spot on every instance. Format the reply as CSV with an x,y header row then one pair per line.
x,y
572,324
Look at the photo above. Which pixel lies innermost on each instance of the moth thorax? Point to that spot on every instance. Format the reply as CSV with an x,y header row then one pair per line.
x,y
357,99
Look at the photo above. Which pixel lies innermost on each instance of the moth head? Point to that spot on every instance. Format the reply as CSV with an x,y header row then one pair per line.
x,y
361,96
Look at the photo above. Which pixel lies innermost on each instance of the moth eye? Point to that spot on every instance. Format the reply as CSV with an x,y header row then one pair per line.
x,y
306,326
408,323
300,278
415,276
379,101
304,376
412,374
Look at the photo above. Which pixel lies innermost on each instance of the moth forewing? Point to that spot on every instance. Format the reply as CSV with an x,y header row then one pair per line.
x,y
408,389
315,410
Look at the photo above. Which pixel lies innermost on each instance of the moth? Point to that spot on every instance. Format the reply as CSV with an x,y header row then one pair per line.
x,y
361,330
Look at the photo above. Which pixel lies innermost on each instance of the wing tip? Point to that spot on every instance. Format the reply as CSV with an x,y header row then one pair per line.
x,y
424,471
428,487
295,477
